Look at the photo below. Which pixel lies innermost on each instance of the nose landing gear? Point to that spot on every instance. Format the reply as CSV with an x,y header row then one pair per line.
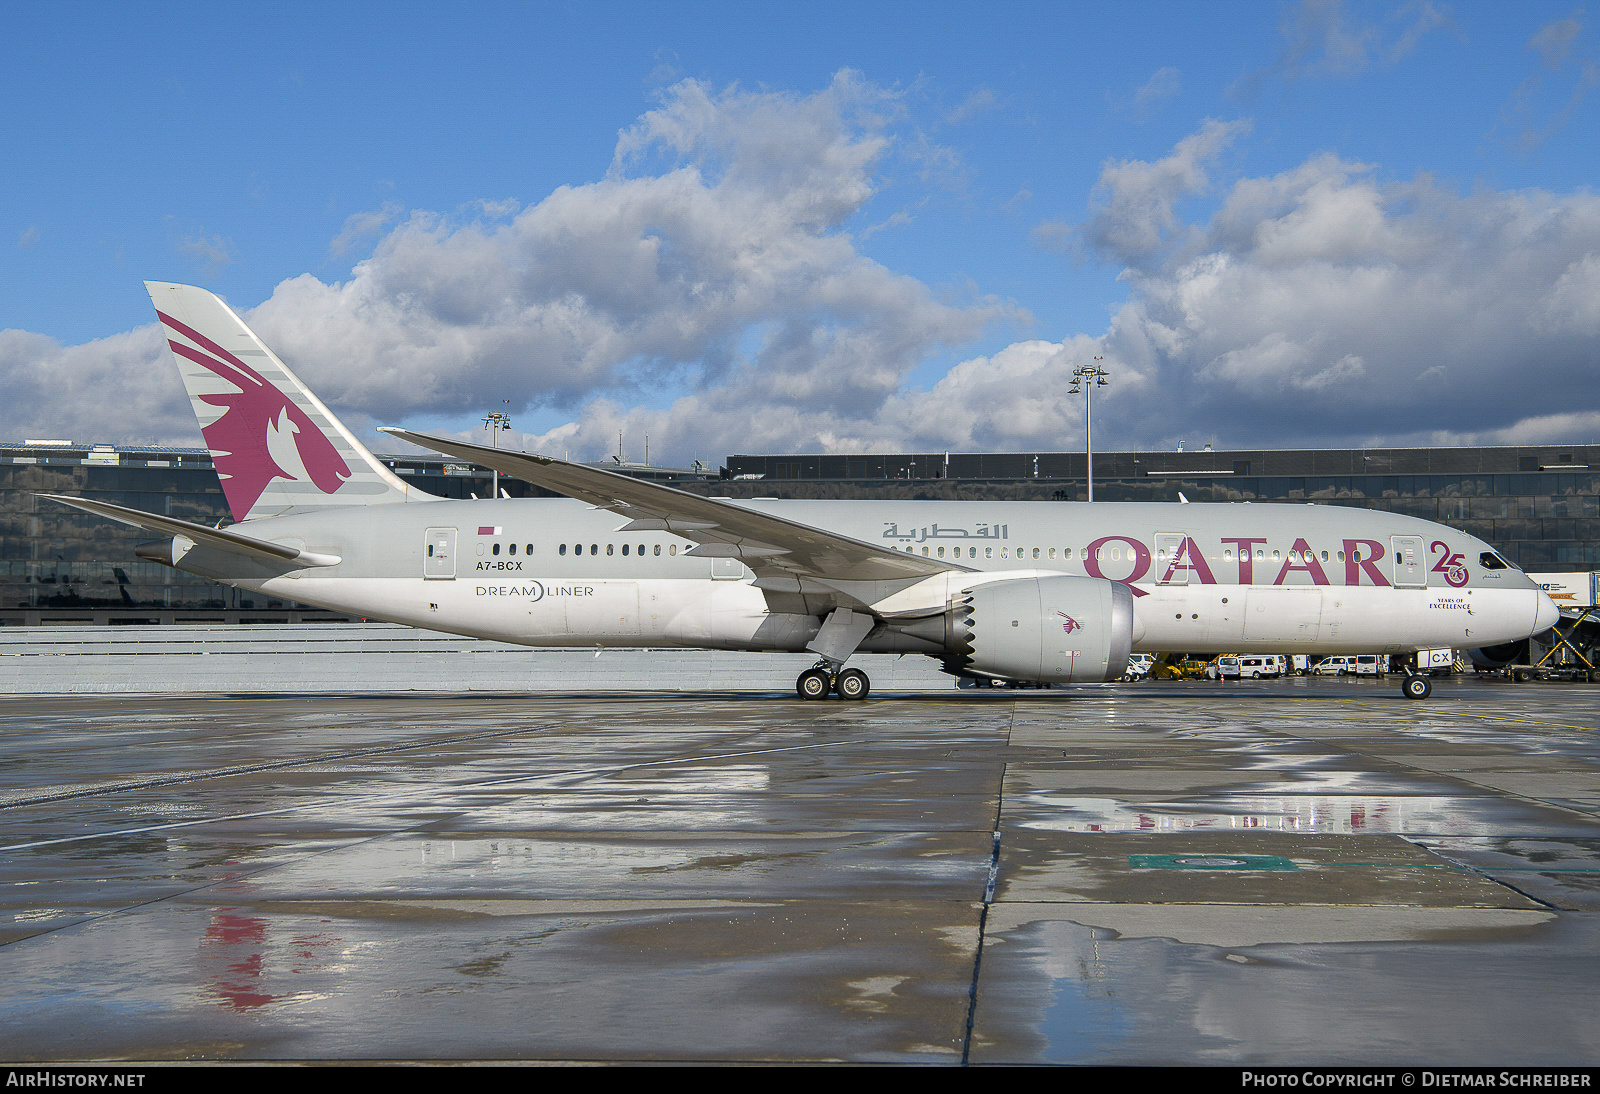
x,y
824,677
1416,687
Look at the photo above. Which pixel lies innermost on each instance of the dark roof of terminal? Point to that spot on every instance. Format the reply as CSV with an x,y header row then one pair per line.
x,y
1503,459
1500,459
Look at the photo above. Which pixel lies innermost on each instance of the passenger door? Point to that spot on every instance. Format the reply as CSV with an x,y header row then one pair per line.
x,y
439,554
1410,563
1171,567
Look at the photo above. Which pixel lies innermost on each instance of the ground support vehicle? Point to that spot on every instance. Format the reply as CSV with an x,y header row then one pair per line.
x,y
1178,667
1568,651
1246,667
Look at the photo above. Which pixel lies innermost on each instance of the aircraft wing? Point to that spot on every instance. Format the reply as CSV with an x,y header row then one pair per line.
x,y
784,554
222,539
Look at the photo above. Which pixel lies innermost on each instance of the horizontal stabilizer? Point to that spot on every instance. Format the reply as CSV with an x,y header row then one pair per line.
x,y
220,538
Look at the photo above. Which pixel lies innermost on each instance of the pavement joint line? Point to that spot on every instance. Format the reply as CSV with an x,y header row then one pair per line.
x,y
413,794
990,884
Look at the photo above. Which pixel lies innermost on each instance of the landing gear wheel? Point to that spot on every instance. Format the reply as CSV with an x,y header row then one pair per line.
x,y
813,684
1416,687
852,684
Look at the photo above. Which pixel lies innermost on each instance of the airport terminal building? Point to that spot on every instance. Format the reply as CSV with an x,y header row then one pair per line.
x,y
1539,506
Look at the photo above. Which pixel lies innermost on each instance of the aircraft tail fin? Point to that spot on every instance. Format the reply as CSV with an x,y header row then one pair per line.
x,y
276,447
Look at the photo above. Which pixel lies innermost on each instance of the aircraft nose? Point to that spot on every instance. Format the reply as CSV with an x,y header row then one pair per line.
x,y
1546,614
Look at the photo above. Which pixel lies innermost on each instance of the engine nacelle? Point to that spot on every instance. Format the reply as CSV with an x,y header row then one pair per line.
x,y
1497,657
1062,629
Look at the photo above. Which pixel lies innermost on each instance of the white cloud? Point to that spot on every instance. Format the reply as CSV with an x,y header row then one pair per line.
x,y
1321,39
976,103
1531,111
117,388
713,258
362,226
1134,211
1324,304
1163,84
214,252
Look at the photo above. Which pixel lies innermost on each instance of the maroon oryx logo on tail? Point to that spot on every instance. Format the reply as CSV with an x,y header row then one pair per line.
x,y
239,439
1071,624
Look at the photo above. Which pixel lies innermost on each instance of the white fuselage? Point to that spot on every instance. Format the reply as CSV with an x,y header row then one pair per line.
x,y
1206,578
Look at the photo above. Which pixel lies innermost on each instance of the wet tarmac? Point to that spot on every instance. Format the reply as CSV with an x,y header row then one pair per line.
x,y
1296,872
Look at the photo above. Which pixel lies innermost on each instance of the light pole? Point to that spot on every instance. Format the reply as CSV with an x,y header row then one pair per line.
x,y
494,422
1091,376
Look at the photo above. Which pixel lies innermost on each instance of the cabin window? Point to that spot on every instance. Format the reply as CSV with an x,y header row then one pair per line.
x,y
672,548
562,549
658,548
1324,556
988,552
1260,554
495,549
1228,554
1341,556
430,550
1036,552
1052,552
972,552
608,548
1275,556
624,548
641,548
512,548
924,552
594,548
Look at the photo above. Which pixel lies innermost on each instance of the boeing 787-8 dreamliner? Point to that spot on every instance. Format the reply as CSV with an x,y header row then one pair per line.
x,y
1018,591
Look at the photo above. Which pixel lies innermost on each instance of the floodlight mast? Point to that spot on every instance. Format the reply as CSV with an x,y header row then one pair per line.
x,y
1092,376
494,422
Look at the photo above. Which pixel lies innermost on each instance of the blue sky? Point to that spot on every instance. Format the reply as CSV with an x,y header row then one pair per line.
x,y
974,198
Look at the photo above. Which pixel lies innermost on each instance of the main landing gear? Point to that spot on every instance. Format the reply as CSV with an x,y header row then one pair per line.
x,y
824,677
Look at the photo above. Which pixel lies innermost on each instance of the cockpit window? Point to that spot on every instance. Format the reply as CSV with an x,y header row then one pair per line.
x,y
1491,561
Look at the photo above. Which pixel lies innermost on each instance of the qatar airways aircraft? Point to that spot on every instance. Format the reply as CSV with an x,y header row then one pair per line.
x,y
1025,591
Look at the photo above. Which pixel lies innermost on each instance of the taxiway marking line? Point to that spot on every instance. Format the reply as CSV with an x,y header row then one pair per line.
x,y
1481,717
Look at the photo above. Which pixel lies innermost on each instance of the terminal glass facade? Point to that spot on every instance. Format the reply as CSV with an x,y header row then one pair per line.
x,y
1539,507
59,564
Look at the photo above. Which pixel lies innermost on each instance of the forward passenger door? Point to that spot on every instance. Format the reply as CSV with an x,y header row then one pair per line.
x,y
1410,562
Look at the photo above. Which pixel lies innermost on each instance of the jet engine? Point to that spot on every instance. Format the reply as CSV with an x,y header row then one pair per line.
x,y
1496,657
1061,629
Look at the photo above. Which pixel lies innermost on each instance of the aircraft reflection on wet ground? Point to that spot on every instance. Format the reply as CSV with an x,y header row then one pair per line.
x,y
1298,872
